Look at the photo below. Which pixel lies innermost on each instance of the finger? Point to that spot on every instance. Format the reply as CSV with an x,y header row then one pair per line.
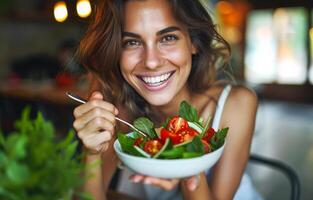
x,y
103,147
97,141
96,125
193,182
84,108
81,121
96,95
165,184
136,178
100,124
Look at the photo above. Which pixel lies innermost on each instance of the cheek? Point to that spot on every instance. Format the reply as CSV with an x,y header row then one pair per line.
x,y
179,57
128,61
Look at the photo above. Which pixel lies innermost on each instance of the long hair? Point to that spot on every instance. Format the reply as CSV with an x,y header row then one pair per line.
x,y
100,50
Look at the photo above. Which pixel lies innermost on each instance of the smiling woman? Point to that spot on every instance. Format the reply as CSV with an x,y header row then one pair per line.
x,y
157,38
148,56
156,45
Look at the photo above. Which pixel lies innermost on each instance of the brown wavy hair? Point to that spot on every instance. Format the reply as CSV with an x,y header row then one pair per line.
x,y
100,49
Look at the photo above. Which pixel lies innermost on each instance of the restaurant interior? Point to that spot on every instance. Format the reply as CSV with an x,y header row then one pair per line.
x,y
272,52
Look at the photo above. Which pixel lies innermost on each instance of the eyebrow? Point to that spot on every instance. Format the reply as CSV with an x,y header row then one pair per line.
x,y
168,29
161,32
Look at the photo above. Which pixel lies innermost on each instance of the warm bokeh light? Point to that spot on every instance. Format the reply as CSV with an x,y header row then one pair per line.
x,y
224,7
83,8
60,11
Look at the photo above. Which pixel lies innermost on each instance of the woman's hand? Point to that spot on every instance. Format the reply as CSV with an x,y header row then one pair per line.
x,y
166,184
95,123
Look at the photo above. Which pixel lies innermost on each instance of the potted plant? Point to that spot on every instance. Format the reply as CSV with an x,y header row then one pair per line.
x,y
35,165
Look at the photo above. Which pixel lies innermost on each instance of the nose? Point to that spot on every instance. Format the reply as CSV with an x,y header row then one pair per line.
x,y
153,58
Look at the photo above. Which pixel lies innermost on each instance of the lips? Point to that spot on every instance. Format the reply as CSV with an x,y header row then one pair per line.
x,y
157,80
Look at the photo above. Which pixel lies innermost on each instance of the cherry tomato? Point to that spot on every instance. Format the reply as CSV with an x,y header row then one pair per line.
x,y
152,147
168,134
138,141
206,146
187,134
177,123
208,134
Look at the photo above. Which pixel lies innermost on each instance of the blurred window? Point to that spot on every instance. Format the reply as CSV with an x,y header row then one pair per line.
x,y
276,46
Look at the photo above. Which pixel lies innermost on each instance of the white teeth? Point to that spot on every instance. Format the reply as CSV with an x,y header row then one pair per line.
x,y
156,79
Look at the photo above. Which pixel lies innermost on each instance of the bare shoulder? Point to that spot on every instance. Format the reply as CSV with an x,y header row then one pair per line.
x,y
239,94
242,95
241,106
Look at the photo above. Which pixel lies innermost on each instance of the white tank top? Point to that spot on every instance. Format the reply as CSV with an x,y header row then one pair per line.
x,y
220,107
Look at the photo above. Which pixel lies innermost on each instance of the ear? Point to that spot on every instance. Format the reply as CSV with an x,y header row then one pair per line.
x,y
194,49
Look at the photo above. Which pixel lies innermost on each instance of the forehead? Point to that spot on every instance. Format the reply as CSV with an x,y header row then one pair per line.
x,y
139,14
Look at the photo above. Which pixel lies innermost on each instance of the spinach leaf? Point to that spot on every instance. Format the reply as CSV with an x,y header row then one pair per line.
x,y
218,138
191,154
127,144
146,126
173,153
195,146
188,112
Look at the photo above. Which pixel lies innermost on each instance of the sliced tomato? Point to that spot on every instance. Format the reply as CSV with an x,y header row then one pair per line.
x,y
152,147
138,141
208,134
206,146
187,134
176,123
168,134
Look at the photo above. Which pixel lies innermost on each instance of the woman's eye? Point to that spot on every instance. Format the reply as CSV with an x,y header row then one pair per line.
x,y
169,39
131,43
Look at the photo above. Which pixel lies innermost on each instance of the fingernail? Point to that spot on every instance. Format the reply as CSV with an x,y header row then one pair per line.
x,y
136,179
116,111
193,186
194,183
94,94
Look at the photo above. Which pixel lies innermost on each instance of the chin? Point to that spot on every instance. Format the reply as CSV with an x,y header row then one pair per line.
x,y
158,100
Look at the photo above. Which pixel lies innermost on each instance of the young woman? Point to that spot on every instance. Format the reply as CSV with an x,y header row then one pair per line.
x,y
148,56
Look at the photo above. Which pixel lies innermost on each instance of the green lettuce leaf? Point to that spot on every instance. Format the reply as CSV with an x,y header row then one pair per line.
x,y
218,139
127,144
188,112
146,126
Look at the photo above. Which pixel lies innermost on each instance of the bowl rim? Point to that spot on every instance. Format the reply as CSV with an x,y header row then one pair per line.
x,y
118,150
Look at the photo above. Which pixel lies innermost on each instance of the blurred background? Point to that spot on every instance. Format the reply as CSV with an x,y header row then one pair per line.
x,y
272,47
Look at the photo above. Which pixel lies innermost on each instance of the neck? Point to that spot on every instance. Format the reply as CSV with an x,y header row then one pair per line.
x,y
172,108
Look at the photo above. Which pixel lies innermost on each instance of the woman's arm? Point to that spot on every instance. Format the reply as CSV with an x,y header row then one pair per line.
x,y
95,126
100,173
239,115
94,181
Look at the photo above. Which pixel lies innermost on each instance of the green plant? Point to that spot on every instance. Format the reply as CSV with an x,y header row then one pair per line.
x,y
34,165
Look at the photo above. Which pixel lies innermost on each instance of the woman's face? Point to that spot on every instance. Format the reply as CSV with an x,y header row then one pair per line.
x,y
157,51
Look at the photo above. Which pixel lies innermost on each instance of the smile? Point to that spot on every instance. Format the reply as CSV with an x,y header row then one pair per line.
x,y
154,81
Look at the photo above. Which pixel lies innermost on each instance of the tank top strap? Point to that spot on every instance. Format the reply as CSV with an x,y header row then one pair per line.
x,y
220,106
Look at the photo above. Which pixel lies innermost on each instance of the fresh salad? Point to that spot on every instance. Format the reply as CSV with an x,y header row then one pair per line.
x,y
182,136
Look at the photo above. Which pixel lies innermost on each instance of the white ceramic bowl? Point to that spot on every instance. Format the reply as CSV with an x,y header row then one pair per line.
x,y
173,168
